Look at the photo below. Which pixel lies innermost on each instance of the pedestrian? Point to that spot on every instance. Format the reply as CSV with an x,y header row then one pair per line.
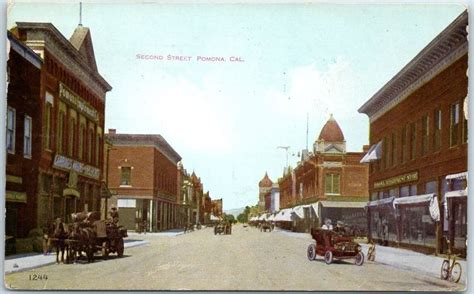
x,y
327,225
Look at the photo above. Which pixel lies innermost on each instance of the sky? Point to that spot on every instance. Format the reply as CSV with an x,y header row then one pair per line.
x,y
227,118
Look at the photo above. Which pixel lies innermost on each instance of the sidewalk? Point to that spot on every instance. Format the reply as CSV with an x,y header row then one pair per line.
x,y
22,262
169,233
404,259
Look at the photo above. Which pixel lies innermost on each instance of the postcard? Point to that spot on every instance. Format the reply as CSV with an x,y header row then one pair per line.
x,y
236,146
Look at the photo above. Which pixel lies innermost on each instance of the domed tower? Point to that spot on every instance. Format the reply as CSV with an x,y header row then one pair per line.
x,y
264,189
331,139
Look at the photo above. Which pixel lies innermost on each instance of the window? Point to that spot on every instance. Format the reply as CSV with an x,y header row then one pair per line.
x,y
11,122
332,184
425,129
47,125
404,191
464,125
130,203
437,130
98,142
72,137
126,176
27,137
90,142
80,152
453,136
384,153
404,144
393,159
413,141
431,187
61,122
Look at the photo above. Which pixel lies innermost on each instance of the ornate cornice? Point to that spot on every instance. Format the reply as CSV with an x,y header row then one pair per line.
x,y
44,36
450,45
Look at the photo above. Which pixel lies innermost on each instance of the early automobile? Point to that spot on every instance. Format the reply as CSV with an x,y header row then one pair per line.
x,y
334,245
223,228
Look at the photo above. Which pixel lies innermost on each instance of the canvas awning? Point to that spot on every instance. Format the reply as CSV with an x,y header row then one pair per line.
x,y
374,153
284,215
384,201
343,204
299,210
431,199
457,193
458,176
214,218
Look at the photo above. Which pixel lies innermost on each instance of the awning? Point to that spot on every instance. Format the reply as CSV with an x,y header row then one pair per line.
x,y
299,210
458,176
271,217
457,193
214,218
431,199
374,153
383,201
284,215
315,207
343,204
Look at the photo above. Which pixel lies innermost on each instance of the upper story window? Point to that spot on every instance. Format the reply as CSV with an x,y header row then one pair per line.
x,y
126,176
48,116
437,130
27,137
425,131
413,140
11,126
60,136
454,121
72,137
393,150
404,144
332,184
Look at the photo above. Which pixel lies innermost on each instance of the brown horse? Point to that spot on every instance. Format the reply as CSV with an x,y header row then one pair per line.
x,y
57,237
82,238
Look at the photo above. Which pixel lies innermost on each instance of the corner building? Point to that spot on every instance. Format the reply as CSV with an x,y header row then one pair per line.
x,y
69,125
418,154
143,172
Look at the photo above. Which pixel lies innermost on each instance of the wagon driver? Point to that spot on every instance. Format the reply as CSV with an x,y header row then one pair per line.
x,y
114,214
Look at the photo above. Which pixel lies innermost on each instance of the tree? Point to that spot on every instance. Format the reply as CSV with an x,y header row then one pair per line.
x,y
229,218
242,218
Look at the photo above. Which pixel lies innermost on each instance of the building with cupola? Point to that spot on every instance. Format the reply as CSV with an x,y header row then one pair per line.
x,y
327,183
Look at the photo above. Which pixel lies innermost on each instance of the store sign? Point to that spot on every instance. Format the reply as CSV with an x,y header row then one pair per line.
x,y
72,98
13,196
65,163
410,177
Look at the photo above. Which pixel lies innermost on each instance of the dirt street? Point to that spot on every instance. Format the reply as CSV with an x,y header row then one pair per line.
x,y
246,260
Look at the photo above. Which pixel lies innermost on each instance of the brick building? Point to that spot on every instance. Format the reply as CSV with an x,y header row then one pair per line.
x,y
23,139
65,171
418,135
197,198
143,171
328,183
217,207
264,191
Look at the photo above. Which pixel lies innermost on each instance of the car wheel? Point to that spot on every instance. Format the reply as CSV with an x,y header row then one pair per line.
x,y
328,257
311,252
359,260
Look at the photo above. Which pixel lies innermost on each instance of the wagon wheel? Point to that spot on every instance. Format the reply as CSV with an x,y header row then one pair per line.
x,y
105,249
311,252
328,257
119,247
359,259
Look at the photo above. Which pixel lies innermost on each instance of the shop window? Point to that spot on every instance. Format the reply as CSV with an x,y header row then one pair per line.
x,y
425,129
11,126
125,178
80,151
459,184
431,187
417,226
405,191
404,145
332,184
413,190
72,137
454,127
413,141
27,137
383,225
437,130
394,192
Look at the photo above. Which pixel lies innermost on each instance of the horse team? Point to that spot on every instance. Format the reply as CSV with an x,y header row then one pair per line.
x,y
86,234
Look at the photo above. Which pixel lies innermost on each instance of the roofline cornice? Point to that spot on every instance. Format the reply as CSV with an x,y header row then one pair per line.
x,y
60,42
446,48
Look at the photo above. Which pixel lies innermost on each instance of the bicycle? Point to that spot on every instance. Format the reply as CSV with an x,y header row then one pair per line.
x,y
451,269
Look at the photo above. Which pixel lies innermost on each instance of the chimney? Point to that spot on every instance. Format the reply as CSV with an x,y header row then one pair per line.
x,y
112,131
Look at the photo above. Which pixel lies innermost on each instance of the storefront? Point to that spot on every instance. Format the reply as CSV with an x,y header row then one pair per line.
x,y
456,212
382,224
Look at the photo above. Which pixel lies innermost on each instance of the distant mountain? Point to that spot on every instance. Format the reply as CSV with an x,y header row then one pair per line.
x,y
235,212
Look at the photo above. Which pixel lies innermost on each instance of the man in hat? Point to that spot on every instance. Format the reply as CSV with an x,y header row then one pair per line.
x,y
114,214
327,225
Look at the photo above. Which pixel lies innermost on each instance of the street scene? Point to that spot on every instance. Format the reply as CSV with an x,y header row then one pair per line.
x,y
210,147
